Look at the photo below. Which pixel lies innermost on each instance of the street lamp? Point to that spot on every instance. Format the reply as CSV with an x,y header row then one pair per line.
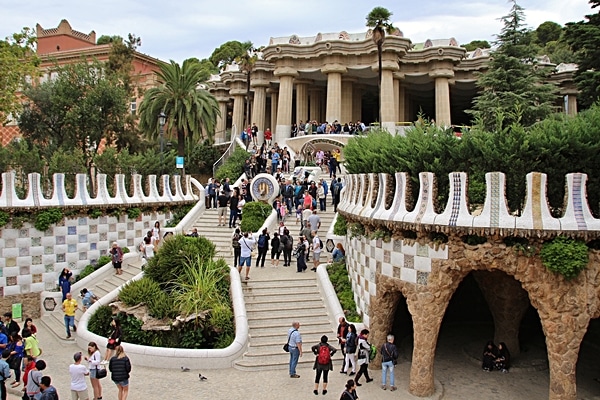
x,y
162,119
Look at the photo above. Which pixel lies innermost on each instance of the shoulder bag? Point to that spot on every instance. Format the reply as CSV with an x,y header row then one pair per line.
x,y
286,346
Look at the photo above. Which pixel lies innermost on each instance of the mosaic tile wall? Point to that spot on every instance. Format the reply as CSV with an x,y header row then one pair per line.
x,y
408,262
30,260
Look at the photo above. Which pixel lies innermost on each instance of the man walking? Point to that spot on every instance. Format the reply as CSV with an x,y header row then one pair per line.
x,y
69,307
389,355
78,373
247,243
295,344
316,248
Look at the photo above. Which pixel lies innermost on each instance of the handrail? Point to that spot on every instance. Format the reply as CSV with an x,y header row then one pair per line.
x,y
228,152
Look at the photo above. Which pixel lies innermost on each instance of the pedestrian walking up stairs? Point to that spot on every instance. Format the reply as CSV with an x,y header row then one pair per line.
x,y
104,281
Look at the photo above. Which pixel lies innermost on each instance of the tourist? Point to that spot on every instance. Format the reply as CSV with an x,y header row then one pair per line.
x,y
295,347
502,362
307,201
222,202
87,298
299,214
263,247
194,233
350,348
274,161
300,254
307,233
389,358
116,254
120,367
323,364
69,306
364,349
268,136
114,339
211,194
32,345
48,391
339,254
247,243
490,353
235,245
316,248
350,392
33,376
17,352
276,249
288,244
148,248
336,193
29,325
94,358
156,234
78,373
342,332
64,282
233,207
4,372
254,131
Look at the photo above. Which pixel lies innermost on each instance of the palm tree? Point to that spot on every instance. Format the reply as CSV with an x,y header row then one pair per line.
x,y
246,62
189,108
379,20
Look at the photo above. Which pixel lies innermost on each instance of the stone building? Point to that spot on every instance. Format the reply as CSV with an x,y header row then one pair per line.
x,y
334,76
64,45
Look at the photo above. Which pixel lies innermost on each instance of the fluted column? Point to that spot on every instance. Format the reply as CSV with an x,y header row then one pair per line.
x,y
442,95
397,84
357,103
402,114
259,110
334,91
301,100
221,121
571,103
284,107
274,104
347,99
388,107
315,104
238,110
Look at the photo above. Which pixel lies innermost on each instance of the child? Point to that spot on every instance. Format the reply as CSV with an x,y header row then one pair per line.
x,y
298,214
282,211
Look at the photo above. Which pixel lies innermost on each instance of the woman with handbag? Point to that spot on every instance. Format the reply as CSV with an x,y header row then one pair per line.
x,y
96,373
17,348
114,340
389,357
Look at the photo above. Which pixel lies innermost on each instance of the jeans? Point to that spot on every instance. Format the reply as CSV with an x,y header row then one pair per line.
x,y
262,255
294,356
232,217
237,252
385,367
69,322
322,205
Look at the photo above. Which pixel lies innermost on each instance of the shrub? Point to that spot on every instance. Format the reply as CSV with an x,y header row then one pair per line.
x,y
178,215
4,218
356,230
140,291
338,275
166,265
48,217
95,213
254,215
134,213
340,227
125,250
162,306
103,260
85,272
233,166
565,256
100,321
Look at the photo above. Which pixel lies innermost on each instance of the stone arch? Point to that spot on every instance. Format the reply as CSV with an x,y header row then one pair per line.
x,y
311,143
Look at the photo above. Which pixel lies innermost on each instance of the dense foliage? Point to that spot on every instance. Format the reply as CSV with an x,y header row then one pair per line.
x,y
340,227
556,147
338,275
565,256
512,88
254,215
233,167
192,285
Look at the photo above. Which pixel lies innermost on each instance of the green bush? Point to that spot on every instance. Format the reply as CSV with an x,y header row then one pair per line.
x,y
338,275
133,213
340,227
162,306
233,166
139,291
166,265
18,220
45,218
86,271
125,250
565,256
95,213
99,322
178,215
4,218
103,260
254,215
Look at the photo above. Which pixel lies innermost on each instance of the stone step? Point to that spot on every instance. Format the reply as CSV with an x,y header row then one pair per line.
x,y
269,305
308,326
287,297
279,339
283,320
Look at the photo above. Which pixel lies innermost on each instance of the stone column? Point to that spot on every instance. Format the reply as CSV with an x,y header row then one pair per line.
x,y
397,95
357,103
402,106
388,107
315,105
571,103
442,95
347,99
221,121
238,109
259,110
274,105
334,91
283,128
302,101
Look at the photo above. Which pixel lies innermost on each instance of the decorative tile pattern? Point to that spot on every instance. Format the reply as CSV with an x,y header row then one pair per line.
x,y
61,239
578,202
112,227
455,198
72,248
83,255
93,228
495,193
36,260
60,258
48,250
93,246
425,196
130,226
83,238
11,261
23,232
49,267
103,236
422,278
409,262
422,250
82,221
24,270
397,245
71,230
386,256
36,278
11,280
536,199
36,241
24,251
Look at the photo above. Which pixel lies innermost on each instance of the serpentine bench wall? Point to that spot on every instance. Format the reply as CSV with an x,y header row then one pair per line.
x,y
30,260
426,273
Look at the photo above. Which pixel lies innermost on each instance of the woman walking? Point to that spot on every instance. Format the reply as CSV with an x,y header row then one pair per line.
x,y
120,367
114,340
323,364
94,358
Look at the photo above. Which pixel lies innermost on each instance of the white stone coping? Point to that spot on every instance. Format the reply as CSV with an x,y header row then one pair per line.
x,y
174,358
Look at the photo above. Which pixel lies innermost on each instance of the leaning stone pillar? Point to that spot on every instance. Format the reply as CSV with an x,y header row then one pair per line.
x,y
508,303
283,128
382,309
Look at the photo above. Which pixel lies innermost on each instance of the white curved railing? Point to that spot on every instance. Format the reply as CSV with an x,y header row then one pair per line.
x,y
227,152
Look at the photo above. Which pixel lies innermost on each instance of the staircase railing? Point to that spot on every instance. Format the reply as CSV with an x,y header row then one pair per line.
x,y
228,152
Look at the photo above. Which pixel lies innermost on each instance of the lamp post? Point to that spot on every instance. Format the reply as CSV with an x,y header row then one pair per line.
x,y
162,119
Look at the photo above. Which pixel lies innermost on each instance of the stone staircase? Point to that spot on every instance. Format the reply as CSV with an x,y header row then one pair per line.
x,y
104,283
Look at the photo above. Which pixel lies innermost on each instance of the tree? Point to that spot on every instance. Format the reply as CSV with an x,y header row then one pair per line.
x,y
82,105
227,53
379,20
583,37
477,44
513,88
18,62
189,109
547,32
246,62
106,39
207,67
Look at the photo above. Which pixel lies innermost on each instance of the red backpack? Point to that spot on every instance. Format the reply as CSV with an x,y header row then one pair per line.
x,y
324,357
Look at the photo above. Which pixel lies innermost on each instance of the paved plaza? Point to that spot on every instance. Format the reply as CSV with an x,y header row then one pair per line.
x,y
459,377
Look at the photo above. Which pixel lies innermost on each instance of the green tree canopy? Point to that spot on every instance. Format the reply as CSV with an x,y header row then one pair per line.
x,y
228,52
512,89
106,39
207,67
190,109
547,32
583,37
477,44
18,62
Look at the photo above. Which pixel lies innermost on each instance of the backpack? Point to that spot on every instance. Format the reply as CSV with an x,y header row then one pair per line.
x,y
324,357
244,136
372,352
235,241
320,243
336,189
262,241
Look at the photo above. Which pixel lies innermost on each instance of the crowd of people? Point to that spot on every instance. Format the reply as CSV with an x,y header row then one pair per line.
x,y
319,128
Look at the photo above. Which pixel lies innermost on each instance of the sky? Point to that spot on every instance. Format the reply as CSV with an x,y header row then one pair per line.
x,y
182,29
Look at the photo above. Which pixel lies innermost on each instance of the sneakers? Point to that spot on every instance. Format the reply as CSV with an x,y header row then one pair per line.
x,y
104,362
68,336
74,328
294,376
384,387
369,380
324,391
352,373
316,392
358,384
393,388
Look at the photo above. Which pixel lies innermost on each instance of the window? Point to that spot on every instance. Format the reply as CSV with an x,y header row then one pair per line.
x,y
133,106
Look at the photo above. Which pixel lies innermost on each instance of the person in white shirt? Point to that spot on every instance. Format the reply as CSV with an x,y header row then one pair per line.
x,y
148,248
247,243
316,248
78,373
